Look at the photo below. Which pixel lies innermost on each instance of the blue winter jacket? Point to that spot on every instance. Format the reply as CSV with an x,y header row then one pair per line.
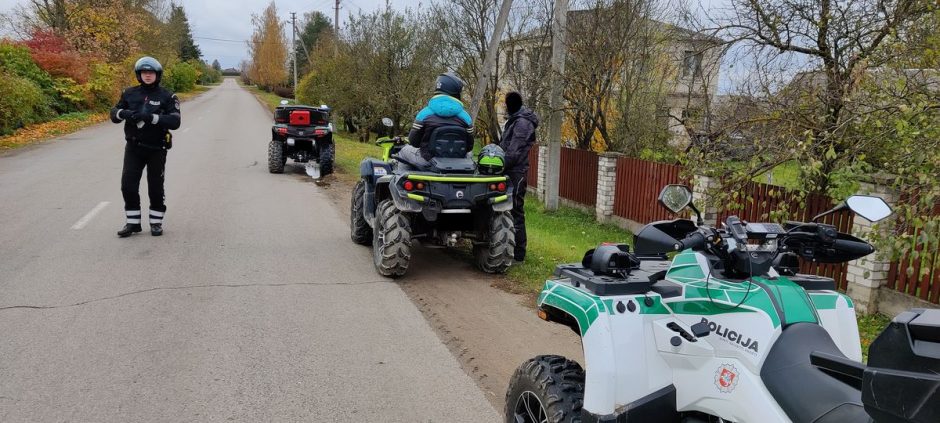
x,y
442,110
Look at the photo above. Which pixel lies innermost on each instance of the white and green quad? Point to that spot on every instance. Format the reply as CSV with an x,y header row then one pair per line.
x,y
457,198
701,324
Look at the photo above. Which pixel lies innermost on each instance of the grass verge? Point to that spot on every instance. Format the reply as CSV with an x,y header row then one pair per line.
x,y
61,125
869,327
556,237
68,123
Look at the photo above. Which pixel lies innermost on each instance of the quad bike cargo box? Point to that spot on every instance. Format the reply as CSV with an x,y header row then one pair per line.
x,y
317,116
300,118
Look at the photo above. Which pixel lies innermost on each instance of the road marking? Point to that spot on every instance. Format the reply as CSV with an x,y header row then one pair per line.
x,y
91,215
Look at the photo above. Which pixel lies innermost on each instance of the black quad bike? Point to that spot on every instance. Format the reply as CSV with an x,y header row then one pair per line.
x,y
457,198
304,134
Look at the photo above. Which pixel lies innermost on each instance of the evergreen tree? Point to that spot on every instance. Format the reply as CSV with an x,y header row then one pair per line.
x,y
315,27
216,65
179,28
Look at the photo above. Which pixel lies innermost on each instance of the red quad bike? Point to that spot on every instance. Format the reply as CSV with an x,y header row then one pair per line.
x,y
303,134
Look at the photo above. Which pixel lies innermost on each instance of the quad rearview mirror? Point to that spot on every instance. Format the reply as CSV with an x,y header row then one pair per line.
x,y
388,122
675,197
870,207
284,102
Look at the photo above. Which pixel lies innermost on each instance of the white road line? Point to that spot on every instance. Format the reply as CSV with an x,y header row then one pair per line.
x,y
91,215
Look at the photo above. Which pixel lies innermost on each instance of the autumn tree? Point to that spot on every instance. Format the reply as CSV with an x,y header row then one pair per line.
x,y
268,50
465,28
807,63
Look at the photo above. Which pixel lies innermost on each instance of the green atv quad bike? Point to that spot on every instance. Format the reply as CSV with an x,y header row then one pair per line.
x,y
395,203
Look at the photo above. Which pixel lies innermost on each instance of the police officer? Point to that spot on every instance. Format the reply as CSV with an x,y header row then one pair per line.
x,y
517,140
149,112
444,109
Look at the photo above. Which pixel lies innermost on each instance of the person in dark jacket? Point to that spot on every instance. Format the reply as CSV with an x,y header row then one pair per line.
x,y
149,112
444,109
518,138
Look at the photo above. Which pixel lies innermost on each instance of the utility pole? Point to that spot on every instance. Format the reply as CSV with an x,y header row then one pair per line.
x,y
336,19
293,46
556,104
490,60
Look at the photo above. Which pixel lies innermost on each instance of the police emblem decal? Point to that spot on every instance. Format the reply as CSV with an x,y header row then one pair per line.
x,y
726,378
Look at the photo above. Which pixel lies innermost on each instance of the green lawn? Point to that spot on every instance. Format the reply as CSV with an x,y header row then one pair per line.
x,y
562,236
349,152
869,327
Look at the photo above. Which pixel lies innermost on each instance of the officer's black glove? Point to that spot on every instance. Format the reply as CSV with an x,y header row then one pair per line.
x,y
125,115
142,117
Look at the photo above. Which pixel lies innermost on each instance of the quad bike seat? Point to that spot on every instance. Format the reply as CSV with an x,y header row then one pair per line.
x,y
806,393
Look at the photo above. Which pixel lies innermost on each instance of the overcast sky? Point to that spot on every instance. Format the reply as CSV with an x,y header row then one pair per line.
x,y
231,20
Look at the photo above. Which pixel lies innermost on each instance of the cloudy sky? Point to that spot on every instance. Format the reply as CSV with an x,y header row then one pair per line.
x,y
231,20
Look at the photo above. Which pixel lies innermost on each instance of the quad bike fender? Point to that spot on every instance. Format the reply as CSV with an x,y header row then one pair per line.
x,y
617,373
402,200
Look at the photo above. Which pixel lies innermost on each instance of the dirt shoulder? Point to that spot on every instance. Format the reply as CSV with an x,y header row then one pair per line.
x,y
489,331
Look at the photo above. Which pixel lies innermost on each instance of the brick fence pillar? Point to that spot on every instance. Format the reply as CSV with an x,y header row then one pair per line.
x,y
542,163
866,275
606,185
701,187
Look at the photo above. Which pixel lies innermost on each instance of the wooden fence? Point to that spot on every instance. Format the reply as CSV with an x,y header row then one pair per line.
x,y
578,179
638,185
918,275
761,200
532,178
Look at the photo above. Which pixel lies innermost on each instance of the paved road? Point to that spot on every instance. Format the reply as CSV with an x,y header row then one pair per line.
x,y
254,305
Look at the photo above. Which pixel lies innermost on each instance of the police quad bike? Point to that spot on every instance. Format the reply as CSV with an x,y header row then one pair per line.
x,y
394,203
701,324
303,134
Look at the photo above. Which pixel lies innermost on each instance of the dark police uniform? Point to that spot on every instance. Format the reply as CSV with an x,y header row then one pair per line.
x,y
158,111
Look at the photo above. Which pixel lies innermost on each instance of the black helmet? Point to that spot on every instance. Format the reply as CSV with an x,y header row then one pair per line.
x,y
492,159
148,63
450,84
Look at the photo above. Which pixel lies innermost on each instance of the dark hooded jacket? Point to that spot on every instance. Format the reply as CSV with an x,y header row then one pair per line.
x,y
518,138
152,100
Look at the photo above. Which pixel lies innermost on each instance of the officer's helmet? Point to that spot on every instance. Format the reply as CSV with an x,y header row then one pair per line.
x,y
148,63
492,159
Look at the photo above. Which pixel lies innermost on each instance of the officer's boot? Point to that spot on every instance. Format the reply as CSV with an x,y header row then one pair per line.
x,y
133,224
156,222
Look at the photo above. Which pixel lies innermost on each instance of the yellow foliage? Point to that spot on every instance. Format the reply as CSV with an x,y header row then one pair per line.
x,y
268,49
38,132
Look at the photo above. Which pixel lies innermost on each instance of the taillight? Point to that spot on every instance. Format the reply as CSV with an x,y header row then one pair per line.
x,y
501,186
282,131
420,185
492,187
409,186
319,132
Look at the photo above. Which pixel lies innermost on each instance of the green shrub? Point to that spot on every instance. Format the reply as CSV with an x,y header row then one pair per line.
x,y
21,102
16,60
180,77
208,75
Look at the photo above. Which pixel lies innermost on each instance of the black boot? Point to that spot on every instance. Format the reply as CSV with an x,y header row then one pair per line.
x,y
129,229
156,229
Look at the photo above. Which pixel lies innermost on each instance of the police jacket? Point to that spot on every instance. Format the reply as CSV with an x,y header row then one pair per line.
x,y
518,138
442,110
161,109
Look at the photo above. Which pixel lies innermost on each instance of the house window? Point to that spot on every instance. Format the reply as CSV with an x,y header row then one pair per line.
x,y
519,64
691,64
509,67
